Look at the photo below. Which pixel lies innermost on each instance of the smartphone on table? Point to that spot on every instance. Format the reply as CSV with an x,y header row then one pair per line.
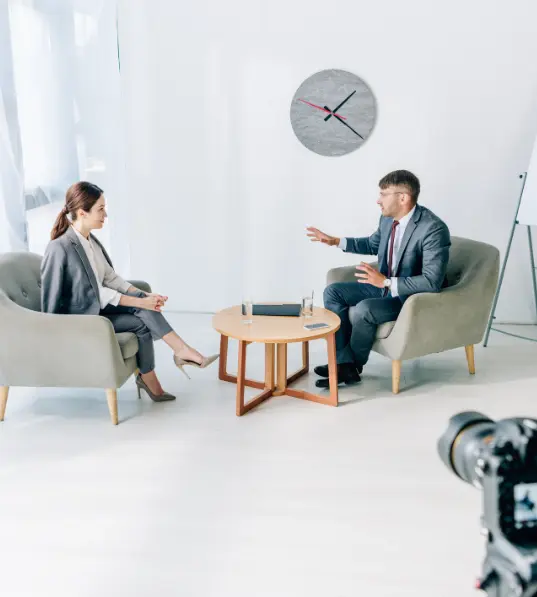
x,y
315,326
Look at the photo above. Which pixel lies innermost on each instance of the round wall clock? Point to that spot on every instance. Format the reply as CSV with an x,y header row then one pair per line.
x,y
333,112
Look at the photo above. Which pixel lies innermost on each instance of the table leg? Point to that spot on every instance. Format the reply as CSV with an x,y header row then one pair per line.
x,y
241,376
306,356
277,383
332,369
305,364
269,367
281,382
268,385
332,399
222,370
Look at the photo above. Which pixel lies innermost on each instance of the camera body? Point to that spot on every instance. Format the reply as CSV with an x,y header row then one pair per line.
x,y
501,459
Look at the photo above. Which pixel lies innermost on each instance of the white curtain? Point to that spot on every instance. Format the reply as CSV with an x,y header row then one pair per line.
x,y
66,88
12,216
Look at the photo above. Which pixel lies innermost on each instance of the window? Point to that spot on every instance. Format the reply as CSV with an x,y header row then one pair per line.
x,y
45,102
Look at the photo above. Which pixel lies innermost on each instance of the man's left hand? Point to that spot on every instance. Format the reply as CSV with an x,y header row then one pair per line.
x,y
369,275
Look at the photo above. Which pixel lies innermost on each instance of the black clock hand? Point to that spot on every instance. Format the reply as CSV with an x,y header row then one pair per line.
x,y
343,122
342,103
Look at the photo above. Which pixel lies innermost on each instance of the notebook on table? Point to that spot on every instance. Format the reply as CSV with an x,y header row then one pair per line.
x,y
278,310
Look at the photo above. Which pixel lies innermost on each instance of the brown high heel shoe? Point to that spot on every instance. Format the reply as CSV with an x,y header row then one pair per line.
x,y
141,385
205,363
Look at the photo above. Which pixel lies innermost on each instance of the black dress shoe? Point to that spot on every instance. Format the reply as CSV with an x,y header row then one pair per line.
x,y
322,370
347,374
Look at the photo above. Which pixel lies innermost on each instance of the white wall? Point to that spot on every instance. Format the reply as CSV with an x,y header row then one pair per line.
x,y
220,189
527,212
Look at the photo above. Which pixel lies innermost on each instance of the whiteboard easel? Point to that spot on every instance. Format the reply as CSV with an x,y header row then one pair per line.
x,y
527,211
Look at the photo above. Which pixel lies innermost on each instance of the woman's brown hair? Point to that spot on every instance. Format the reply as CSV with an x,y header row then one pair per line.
x,y
81,195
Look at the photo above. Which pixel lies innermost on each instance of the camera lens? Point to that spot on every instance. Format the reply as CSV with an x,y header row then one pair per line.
x,y
463,441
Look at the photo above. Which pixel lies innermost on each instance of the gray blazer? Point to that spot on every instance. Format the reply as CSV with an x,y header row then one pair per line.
x,y
68,284
423,255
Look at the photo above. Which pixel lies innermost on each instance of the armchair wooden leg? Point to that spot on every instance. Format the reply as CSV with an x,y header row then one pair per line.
x,y
470,358
4,391
396,376
111,396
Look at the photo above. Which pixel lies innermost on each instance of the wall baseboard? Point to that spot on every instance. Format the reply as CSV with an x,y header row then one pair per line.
x,y
175,311
514,323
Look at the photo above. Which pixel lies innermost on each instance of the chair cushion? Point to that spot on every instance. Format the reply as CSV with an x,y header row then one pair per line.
x,y
128,343
383,330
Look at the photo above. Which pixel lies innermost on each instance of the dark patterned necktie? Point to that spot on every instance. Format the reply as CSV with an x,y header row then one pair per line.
x,y
390,251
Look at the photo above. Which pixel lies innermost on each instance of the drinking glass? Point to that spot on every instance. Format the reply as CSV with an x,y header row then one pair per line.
x,y
307,306
247,310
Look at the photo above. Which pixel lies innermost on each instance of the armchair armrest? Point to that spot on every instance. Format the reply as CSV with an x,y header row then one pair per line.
x,y
43,349
141,285
345,273
434,322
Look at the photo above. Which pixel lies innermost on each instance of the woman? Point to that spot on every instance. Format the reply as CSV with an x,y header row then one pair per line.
x,y
77,277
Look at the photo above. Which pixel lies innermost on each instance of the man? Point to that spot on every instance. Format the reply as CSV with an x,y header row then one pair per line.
x,y
412,245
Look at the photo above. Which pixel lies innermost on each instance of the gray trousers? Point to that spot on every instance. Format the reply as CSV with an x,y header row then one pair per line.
x,y
147,325
357,333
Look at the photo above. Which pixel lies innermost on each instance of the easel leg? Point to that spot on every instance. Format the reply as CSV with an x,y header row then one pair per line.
x,y
533,271
502,272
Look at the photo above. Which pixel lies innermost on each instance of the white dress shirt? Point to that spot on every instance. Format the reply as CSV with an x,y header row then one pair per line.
x,y
103,272
399,233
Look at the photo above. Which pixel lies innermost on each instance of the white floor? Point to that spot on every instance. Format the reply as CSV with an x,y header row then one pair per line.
x,y
294,499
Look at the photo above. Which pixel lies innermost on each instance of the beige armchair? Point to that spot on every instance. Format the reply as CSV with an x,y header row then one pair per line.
x,y
433,322
45,350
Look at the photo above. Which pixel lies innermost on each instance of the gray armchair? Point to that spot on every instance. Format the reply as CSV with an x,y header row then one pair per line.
x,y
47,350
433,322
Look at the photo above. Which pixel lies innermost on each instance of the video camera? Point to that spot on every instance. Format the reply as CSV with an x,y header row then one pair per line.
x,y
501,459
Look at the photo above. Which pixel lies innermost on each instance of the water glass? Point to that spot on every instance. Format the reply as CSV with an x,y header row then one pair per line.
x,y
307,306
247,311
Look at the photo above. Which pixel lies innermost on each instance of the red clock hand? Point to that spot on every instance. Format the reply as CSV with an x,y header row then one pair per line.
x,y
320,108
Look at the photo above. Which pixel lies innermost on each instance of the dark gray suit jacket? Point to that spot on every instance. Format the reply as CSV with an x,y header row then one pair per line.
x,y
68,284
423,254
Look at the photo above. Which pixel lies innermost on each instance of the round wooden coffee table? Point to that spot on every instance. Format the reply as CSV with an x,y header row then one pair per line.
x,y
276,333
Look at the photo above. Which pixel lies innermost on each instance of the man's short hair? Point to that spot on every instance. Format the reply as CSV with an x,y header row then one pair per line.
x,y
402,178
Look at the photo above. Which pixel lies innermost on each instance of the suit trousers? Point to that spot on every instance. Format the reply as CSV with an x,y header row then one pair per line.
x,y
147,325
358,330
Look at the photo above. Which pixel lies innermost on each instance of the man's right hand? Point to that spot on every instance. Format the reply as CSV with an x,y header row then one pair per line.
x,y
317,236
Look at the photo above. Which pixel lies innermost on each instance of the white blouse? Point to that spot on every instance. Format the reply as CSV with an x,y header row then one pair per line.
x,y
103,272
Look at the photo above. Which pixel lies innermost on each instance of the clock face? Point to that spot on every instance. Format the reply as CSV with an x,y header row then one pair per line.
x,y
333,112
